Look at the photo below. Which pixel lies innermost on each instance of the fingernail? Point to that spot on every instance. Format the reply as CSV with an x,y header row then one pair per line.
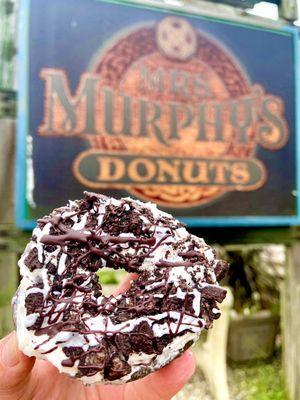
x,y
10,352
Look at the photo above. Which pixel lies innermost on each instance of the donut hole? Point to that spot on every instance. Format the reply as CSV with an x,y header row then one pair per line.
x,y
109,279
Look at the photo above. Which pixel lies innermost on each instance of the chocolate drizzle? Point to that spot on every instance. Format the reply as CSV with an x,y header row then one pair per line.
x,y
75,295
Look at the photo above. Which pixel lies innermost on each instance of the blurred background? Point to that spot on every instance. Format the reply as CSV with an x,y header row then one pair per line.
x,y
253,352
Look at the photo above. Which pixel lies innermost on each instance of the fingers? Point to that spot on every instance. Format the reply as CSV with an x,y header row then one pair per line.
x,y
165,383
15,368
125,284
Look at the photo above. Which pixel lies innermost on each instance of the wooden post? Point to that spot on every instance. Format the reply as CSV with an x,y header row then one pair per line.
x,y
8,255
8,284
291,321
211,355
12,244
7,168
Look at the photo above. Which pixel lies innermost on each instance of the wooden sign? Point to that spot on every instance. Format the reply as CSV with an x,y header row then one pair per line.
x,y
193,113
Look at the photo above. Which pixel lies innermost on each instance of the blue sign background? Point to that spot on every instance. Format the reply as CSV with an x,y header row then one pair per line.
x,y
66,34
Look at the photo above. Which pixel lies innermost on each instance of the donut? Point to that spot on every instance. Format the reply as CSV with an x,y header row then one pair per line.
x,y
61,314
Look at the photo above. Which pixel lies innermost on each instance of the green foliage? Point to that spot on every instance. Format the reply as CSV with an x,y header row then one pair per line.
x,y
8,7
9,50
5,299
254,276
258,381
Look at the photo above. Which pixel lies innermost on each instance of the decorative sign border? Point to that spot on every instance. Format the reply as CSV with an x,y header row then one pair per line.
x,y
22,219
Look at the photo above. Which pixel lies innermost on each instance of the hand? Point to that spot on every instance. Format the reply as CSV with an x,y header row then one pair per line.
x,y
24,378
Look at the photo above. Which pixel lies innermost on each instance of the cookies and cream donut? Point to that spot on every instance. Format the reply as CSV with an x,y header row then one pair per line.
x,y
62,316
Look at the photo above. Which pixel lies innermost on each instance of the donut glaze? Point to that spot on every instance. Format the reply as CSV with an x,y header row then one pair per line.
x,y
62,316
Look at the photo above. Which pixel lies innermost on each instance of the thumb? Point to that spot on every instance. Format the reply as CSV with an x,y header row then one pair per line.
x,y
15,368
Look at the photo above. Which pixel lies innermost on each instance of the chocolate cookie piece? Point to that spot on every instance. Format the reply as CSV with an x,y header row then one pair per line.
x,y
122,341
221,270
63,316
34,302
141,338
93,361
32,260
117,368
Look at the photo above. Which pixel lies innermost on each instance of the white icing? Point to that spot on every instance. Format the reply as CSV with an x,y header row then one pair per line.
x,y
62,263
80,225
63,336
30,319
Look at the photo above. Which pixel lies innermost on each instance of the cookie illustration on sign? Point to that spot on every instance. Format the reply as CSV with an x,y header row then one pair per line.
x,y
176,38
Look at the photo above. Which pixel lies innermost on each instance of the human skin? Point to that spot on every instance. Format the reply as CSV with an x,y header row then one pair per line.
x,y
25,378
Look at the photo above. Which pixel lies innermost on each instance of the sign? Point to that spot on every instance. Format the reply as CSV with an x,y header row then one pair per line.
x,y
195,114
